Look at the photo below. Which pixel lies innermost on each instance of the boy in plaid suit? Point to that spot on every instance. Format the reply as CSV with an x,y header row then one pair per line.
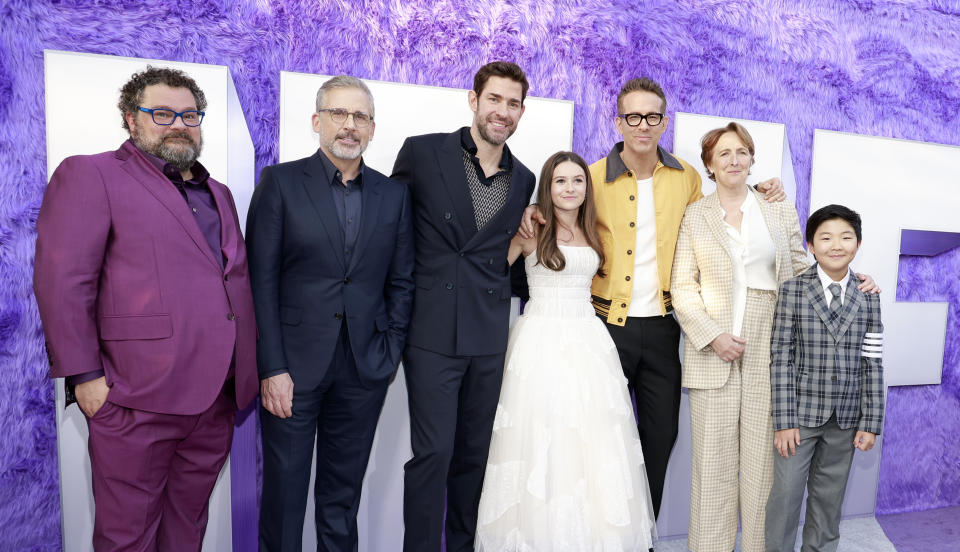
x,y
826,376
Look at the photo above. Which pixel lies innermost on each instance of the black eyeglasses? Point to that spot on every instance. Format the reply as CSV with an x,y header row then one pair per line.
x,y
360,118
633,119
166,117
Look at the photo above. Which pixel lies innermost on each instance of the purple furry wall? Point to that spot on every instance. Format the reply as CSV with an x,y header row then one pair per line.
x,y
882,68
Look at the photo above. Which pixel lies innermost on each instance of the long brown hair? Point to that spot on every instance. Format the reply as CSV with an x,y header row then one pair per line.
x,y
548,253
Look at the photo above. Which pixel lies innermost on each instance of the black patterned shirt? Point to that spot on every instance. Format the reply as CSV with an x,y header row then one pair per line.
x,y
489,194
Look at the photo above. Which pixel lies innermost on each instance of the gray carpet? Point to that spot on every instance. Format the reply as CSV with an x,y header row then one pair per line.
x,y
856,535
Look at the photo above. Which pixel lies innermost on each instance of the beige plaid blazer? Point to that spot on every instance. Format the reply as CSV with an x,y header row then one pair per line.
x,y
702,281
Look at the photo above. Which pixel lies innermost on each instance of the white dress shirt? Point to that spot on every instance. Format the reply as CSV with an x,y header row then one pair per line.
x,y
826,281
753,256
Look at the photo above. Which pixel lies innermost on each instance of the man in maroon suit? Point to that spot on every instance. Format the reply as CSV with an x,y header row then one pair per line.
x,y
142,285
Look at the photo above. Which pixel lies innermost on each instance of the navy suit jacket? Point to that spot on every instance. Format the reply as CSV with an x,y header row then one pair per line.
x,y
462,302
303,288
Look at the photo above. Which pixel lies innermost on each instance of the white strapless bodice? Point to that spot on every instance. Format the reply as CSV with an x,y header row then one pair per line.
x,y
564,293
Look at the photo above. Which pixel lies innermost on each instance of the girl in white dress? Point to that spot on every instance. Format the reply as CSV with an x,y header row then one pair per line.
x,y
565,470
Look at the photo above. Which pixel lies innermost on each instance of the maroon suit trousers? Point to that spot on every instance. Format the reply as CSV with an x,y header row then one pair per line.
x,y
153,474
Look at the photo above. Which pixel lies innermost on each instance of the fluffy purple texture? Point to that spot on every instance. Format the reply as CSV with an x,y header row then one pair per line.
x,y
882,68
923,531
920,464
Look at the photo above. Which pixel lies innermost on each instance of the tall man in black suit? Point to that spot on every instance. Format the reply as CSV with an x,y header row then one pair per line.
x,y
468,194
330,242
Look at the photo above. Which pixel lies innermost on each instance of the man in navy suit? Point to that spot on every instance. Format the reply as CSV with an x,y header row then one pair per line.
x,y
330,242
469,193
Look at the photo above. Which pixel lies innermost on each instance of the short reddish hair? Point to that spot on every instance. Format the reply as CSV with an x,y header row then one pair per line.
x,y
710,139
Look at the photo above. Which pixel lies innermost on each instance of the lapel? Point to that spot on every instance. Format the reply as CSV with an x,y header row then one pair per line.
x,y
713,214
317,188
228,234
369,213
166,193
455,181
775,230
852,301
814,293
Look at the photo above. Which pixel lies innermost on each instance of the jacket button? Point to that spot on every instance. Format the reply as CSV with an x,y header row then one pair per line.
x,y
337,315
461,253
346,280
230,316
632,224
491,260
629,173
509,232
629,252
449,285
628,278
490,291
631,198
226,277
623,305
619,319
447,216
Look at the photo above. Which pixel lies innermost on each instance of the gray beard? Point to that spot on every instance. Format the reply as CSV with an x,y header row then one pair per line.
x,y
344,153
339,151
180,156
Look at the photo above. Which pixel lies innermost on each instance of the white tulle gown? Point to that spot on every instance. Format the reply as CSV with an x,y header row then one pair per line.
x,y
565,471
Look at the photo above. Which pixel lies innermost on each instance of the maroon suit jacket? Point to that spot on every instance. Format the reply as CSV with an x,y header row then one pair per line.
x,y
125,282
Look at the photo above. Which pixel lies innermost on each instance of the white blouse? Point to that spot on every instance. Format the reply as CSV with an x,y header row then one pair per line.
x,y
753,257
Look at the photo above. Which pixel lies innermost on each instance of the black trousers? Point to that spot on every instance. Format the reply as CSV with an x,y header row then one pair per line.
x,y
649,350
453,401
342,413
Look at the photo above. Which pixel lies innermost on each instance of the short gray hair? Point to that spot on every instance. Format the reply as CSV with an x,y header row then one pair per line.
x,y
342,81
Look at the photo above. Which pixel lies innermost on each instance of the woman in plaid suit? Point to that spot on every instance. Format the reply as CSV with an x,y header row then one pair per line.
x,y
733,251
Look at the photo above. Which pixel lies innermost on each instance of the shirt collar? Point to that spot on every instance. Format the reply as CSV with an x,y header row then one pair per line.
x,y
615,166
333,172
467,143
827,280
200,173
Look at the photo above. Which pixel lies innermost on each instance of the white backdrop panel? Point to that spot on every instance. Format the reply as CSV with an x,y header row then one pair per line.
x,y
770,140
82,118
404,110
894,185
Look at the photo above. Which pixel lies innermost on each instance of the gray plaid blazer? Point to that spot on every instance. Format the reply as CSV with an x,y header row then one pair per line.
x,y
819,365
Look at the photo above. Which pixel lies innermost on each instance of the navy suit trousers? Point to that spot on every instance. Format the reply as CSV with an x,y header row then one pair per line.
x,y
342,413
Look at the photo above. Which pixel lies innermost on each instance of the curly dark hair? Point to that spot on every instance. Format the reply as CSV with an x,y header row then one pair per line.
x,y
132,93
